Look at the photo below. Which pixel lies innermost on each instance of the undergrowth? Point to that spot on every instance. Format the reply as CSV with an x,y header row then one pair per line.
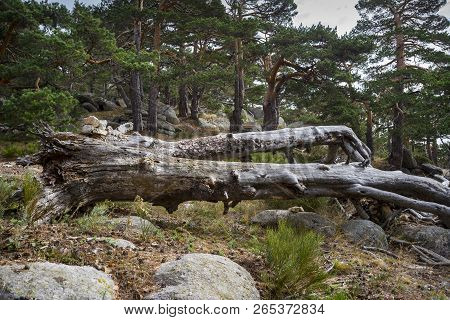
x,y
18,149
96,219
294,260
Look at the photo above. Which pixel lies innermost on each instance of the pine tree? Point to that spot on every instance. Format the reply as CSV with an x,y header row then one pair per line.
x,y
411,40
278,12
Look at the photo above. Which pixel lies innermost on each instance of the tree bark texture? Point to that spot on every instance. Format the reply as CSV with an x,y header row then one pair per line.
x,y
136,99
182,101
396,156
236,117
152,121
80,170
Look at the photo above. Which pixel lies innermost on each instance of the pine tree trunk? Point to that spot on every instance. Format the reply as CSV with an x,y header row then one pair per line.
x,y
428,149
194,103
396,156
369,132
80,170
152,120
182,101
434,152
270,108
236,118
135,85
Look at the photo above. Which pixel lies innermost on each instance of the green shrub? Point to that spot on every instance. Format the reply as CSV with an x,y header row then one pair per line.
x,y
269,157
294,260
57,108
19,149
31,189
6,190
96,219
338,294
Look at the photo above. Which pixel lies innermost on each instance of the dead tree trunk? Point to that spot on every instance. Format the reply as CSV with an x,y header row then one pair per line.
x,y
79,170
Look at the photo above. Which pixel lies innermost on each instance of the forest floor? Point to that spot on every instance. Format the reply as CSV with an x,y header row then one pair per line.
x,y
202,228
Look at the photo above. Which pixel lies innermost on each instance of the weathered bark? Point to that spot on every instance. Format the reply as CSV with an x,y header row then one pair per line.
x,y
396,156
428,149
275,83
270,108
182,101
434,152
183,110
236,117
195,90
195,102
80,170
135,86
152,120
369,130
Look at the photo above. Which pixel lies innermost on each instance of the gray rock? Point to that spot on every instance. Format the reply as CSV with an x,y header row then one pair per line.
x,y
204,277
161,117
166,132
87,129
50,281
99,131
103,124
205,124
434,238
106,105
222,123
269,218
133,224
365,232
113,132
121,103
166,126
109,106
169,113
125,128
118,243
257,112
91,120
89,107
88,98
172,118
301,220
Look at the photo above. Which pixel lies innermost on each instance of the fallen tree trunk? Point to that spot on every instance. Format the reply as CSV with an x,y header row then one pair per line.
x,y
80,170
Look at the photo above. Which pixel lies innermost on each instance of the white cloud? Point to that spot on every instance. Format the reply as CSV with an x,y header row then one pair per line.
x,y
335,13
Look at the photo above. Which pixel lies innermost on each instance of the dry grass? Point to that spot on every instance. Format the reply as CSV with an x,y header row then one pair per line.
x,y
201,227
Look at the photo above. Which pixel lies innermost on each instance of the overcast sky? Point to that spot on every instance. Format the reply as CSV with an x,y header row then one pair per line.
x,y
336,13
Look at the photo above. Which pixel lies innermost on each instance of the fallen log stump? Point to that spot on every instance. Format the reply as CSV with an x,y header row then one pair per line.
x,y
79,170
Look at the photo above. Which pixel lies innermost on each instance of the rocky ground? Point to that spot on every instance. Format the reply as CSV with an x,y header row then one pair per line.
x,y
128,243
137,251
